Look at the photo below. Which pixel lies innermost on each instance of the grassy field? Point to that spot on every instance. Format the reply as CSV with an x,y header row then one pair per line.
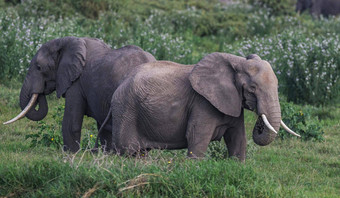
x,y
304,53
286,168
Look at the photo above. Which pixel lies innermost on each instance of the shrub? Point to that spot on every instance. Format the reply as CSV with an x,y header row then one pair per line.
x,y
22,37
278,7
44,8
49,134
163,45
67,8
307,66
302,122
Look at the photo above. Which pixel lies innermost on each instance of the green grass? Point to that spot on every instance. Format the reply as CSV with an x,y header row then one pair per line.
x,y
285,168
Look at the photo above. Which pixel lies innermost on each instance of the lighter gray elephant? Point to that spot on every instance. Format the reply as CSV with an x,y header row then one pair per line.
x,y
86,72
166,105
319,7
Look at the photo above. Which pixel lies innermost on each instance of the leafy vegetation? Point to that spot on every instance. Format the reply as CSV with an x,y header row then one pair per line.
x,y
49,134
303,52
278,7
307,66
302,121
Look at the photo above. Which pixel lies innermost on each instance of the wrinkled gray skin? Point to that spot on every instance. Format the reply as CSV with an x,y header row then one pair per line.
x,y
167,105
319,7
86,72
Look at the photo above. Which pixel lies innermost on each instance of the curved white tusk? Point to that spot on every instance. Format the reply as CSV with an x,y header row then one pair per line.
x,y
266,122
27,108
288,129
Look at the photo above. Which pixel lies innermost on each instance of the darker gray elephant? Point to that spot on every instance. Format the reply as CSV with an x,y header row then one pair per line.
x,y
319,7
167,105
86,72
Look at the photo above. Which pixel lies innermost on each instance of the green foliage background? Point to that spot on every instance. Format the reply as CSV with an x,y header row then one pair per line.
x,y
303,52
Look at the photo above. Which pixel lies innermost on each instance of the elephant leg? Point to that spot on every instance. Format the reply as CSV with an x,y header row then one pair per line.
x,y
105,138
75,107
125,141
124,138
201,126
198,137
235,139
124,133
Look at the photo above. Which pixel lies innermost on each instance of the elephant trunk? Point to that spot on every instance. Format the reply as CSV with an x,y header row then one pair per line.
x,y
26,95
263,134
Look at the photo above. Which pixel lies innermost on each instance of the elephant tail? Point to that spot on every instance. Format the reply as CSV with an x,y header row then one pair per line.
x,y
101,129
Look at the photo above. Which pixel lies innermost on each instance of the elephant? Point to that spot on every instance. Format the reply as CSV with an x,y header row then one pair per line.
x,y
166,105
319,7
86,72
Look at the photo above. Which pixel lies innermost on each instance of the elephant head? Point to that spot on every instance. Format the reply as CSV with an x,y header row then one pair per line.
x,y
55,66
231,83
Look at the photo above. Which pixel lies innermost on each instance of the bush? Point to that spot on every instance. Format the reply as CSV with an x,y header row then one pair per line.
x,y
22,37
49,134
310,68
307,66
306,63
302,122
278,7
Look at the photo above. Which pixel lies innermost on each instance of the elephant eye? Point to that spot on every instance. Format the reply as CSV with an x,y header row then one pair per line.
x,y
252,89
38,67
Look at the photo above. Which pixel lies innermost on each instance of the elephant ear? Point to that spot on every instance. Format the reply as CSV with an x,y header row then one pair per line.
x,y
214,78
71,63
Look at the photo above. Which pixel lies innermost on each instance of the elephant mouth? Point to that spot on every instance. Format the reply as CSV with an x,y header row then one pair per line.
x,y
250,105
264,132
259,126
249,101
262,124
50,86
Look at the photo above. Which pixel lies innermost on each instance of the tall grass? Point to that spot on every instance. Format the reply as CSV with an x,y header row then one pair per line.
x,y
159,175
286,168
